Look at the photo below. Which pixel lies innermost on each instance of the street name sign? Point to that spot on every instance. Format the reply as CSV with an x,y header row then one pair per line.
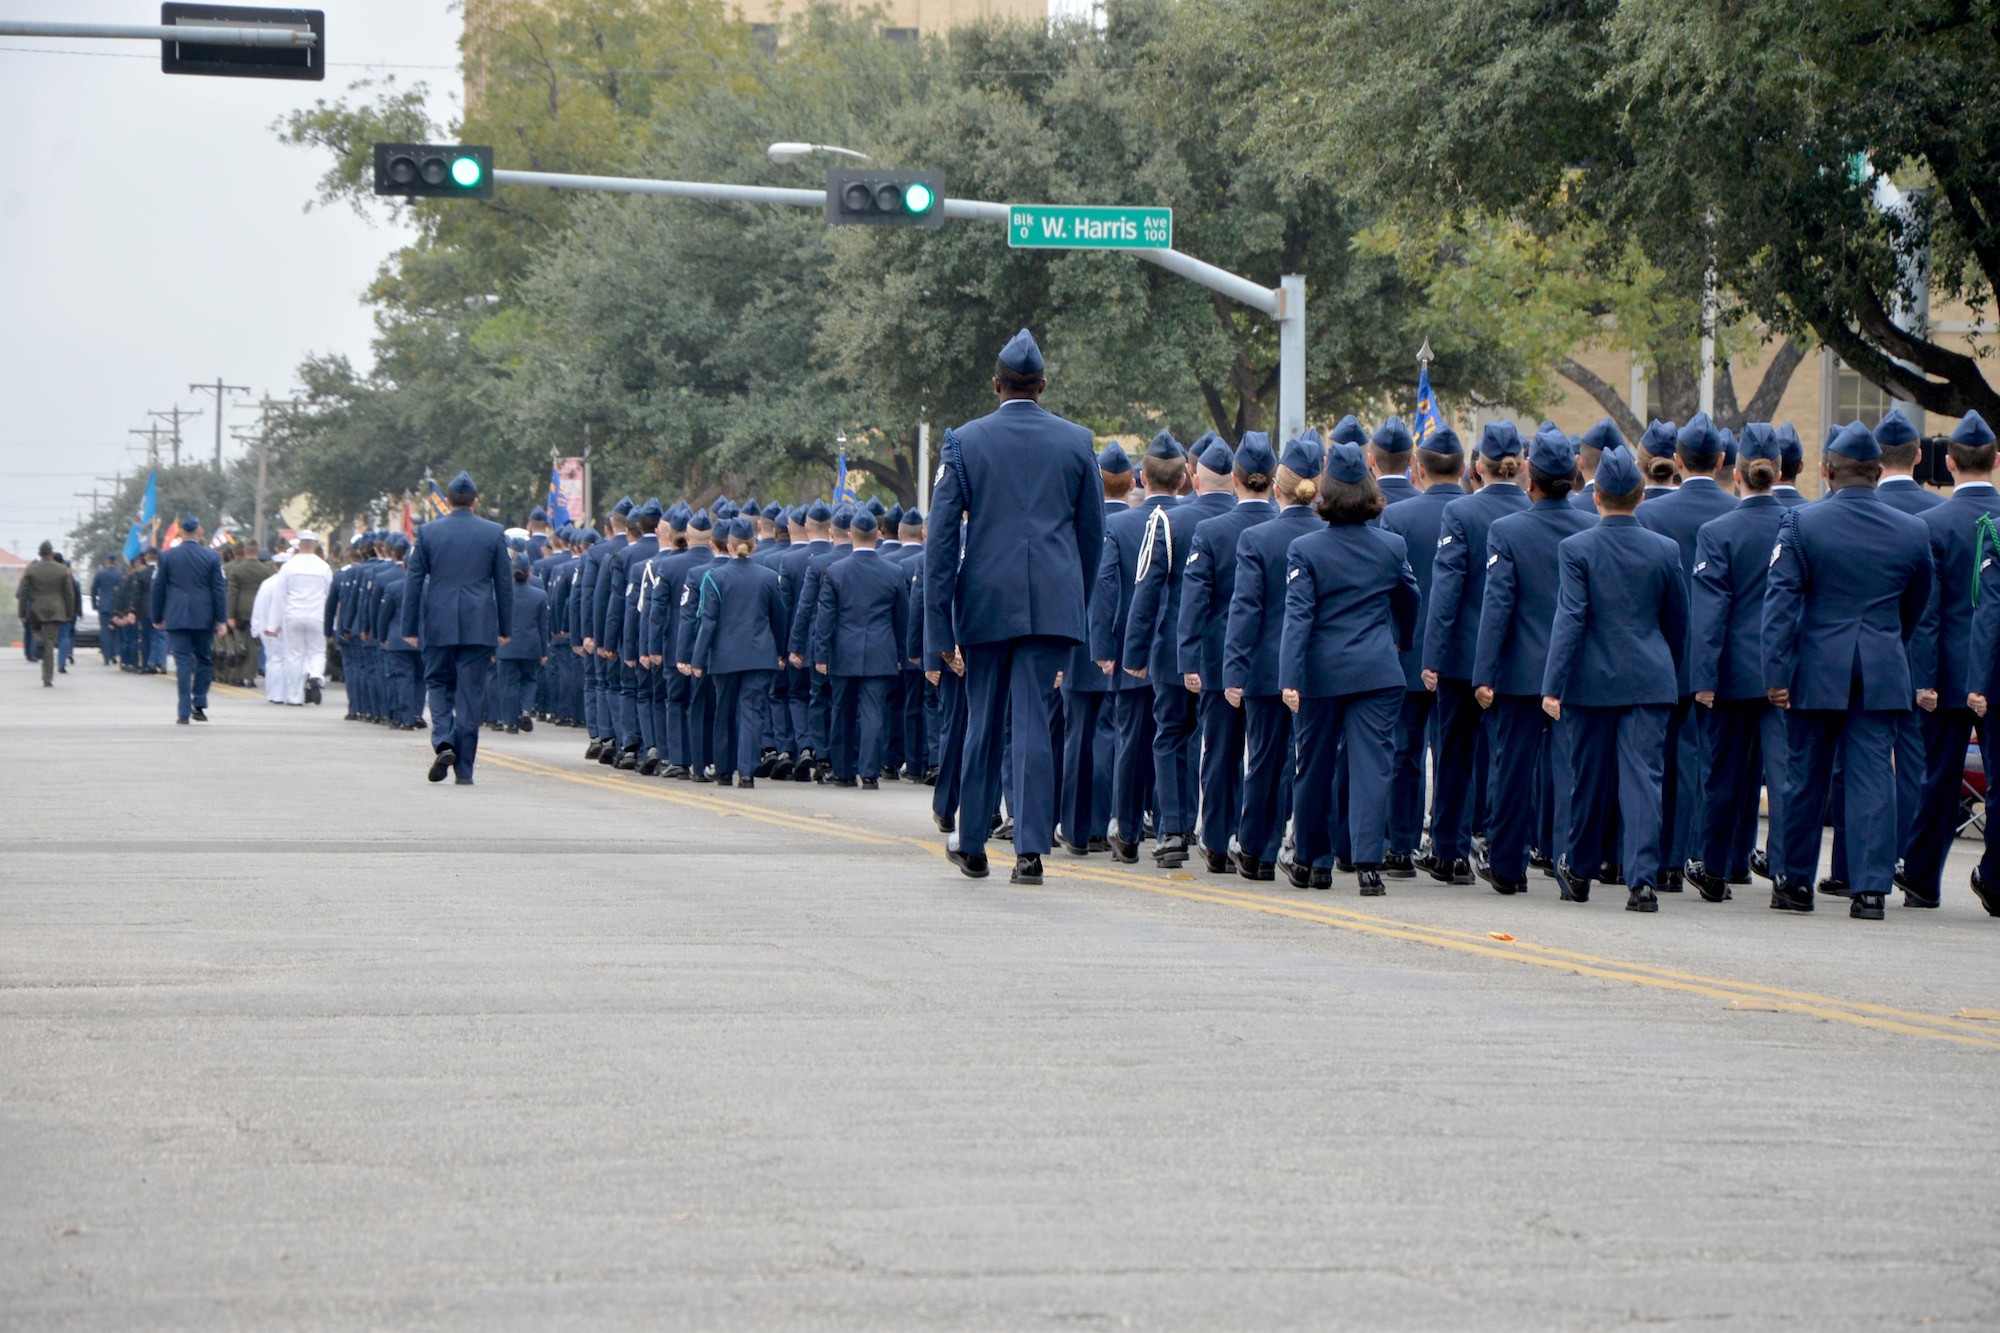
x,y
1062,227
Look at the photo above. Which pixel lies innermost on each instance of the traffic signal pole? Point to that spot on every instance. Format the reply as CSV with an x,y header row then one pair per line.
x,y
1285,304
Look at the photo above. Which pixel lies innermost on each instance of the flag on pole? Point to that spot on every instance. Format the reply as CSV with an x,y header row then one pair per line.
x,y
409,522
150,506
556,506
434,500
842,492
135,542
1428,421
170,538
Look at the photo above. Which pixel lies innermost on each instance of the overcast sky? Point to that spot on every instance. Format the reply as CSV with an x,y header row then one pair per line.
x,y
151,235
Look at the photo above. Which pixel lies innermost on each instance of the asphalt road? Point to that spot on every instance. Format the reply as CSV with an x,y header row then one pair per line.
x,y
291,1039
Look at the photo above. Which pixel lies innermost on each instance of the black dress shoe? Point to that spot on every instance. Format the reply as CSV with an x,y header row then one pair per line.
x,y
765,765
1322,877
608,756
930,777
1611,874
1911,899
1370,879
650,765
1835,888
1502,885
594,749
1098,845
198,715
1739,879
945,823
1574,889
702,777
1217,862
781,768
1249,866
1670,881
745,783
1708,885
1003,829
1788,896
889,774
461,782
1641,899
1542,861
1760,864
1988,898
674,771
1865,906
973,866
527,723
1074,849
1300,877
180,722
1343,865
870,784
628,759
1027,869
1397,865
1899,879
1125,853
1456,871
441,762
1172,851
312,692
513,729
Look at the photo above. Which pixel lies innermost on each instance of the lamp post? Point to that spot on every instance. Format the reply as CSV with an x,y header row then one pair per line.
x,y
782,153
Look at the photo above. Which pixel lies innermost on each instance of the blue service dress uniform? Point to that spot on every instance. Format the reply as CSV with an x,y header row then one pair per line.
x,y
1152,640
792,568
1451,637
1024,484
1530,767
458,603
700,714
1208,589
402,663
1250,663
190,597
741,613
1732,563
589,630
1132,698
1350,609
1417,521
1615,652
518,659
819,700
858,636
1849,580
1090,733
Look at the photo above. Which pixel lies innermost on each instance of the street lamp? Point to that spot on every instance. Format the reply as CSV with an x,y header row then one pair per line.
x,y
782,153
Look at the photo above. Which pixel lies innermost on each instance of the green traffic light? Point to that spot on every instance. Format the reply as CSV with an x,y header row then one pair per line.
x,y
917,197
466,171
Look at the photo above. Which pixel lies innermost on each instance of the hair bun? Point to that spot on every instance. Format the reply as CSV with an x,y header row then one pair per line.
x,y
1306,490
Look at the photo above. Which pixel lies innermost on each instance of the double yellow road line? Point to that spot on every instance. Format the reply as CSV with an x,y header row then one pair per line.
x,y
1738,994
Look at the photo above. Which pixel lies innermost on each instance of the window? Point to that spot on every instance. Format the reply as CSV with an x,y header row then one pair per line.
x,y
901,36
765,35
1855,399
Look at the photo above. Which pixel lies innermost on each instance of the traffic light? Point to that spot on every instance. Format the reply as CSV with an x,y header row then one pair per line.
x,y
434,171
244,62
885,198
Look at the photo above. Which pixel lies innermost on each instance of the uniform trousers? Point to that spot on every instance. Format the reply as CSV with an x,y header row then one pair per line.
x,y
1458,722
1865,742
653,706
1364,726
701,725
1912,750
1174,767
1222,741
1085,808
1132,774
194,667
892,724
406,704
622,684
675,694
1522,780
514,689
798,702
1690,739
778,713
951,744
456,677
1408,776
742,705
860,718
42,638
1019,672
916,723
1944,778
1617,761
1746,755
1267,778
597,712
819,713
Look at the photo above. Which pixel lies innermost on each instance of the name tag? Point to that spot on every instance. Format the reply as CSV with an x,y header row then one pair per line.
x,y
1492,559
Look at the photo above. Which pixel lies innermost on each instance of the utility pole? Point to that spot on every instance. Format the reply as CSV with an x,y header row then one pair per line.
x,y
264,409
91,495
176,415
219,389
152,434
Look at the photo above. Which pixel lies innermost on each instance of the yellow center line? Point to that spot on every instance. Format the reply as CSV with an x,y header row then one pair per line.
x,y
1859,1013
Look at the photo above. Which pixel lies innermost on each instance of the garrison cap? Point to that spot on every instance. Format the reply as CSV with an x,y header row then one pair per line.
x,y
623,507
751,506
724,511
520,562
892,518
843,518
399,543
701,521
817,512
1604,435
462,484
1895,429
1699,436
538,515
1113,459
862,522
650,509
875,506
1444,440
1349,431
1345,461
1757,441
1254,456
1500,440
1728,444
1790,447
1618,472
1855,441
774,512
742,530
1216,456
1972,430
1164,445
190,521
1393,437
1304,457
1021,356
1551,453
1660,438
913,518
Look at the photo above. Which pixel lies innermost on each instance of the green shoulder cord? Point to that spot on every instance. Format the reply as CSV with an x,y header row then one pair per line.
x,y
1988,539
